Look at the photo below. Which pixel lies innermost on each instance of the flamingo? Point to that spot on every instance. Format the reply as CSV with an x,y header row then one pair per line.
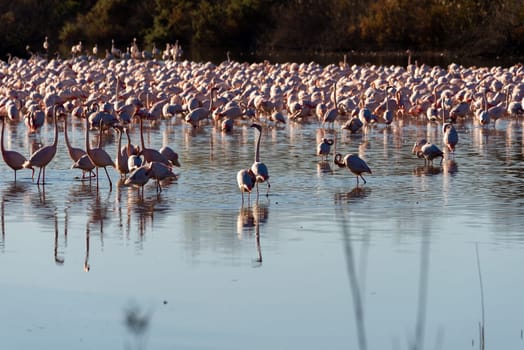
x,y
79,156
44,155
171,155
331,114
150,154
138,178
74,153
196,115
246,179
324,148
353,125
34,120
260,169
160,171
98,156
13,159
424,149
354,163
121,160
450,136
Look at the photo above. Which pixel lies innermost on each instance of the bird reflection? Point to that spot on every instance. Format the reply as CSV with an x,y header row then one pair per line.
x,y
355,193
87,267
449,166
324,167
2,241
426,170
249,218
58,259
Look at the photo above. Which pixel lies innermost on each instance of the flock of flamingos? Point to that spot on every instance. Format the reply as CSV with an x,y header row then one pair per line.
x,y
113,93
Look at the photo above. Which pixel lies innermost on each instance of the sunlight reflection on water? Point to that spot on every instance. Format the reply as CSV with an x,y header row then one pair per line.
x,y
215,273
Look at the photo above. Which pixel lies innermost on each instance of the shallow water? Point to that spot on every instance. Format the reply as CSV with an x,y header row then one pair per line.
x,y
318,263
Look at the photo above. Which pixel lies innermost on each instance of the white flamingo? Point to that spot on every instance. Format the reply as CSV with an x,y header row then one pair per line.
x,y
260,169
246,180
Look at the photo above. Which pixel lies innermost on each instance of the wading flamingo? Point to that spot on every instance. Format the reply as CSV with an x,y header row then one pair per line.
x,y
13,159
353,163
260,169
44,155
99,157
246,179
324,148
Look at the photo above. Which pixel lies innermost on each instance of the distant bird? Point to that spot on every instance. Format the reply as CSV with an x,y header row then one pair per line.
x,y
450,137
12,158
459,110
34,120
44,155
353,125
99,157
45,45
331,114
353,163
324,148
260,169
200,113
246,180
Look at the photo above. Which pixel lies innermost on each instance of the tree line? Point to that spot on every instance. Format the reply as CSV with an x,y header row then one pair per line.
x,y
467,27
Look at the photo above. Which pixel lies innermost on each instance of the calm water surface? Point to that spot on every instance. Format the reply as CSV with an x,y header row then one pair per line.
x,y
318,264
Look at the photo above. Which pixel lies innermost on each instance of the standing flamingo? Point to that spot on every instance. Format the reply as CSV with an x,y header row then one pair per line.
x,y
98,156
260,169
150,154
246,179
450,136
424,149
138,178
12,158
159,172
331,114
122,155
324,148
44,155
79,156
354,163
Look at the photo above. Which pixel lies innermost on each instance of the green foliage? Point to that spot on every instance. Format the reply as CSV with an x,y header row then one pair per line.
x,y
473,26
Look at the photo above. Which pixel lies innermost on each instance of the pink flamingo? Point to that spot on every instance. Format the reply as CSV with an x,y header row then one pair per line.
x,y
43,156
12,158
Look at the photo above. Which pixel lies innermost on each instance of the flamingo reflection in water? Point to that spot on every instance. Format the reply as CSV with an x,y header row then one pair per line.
x,y
249,218
87,267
